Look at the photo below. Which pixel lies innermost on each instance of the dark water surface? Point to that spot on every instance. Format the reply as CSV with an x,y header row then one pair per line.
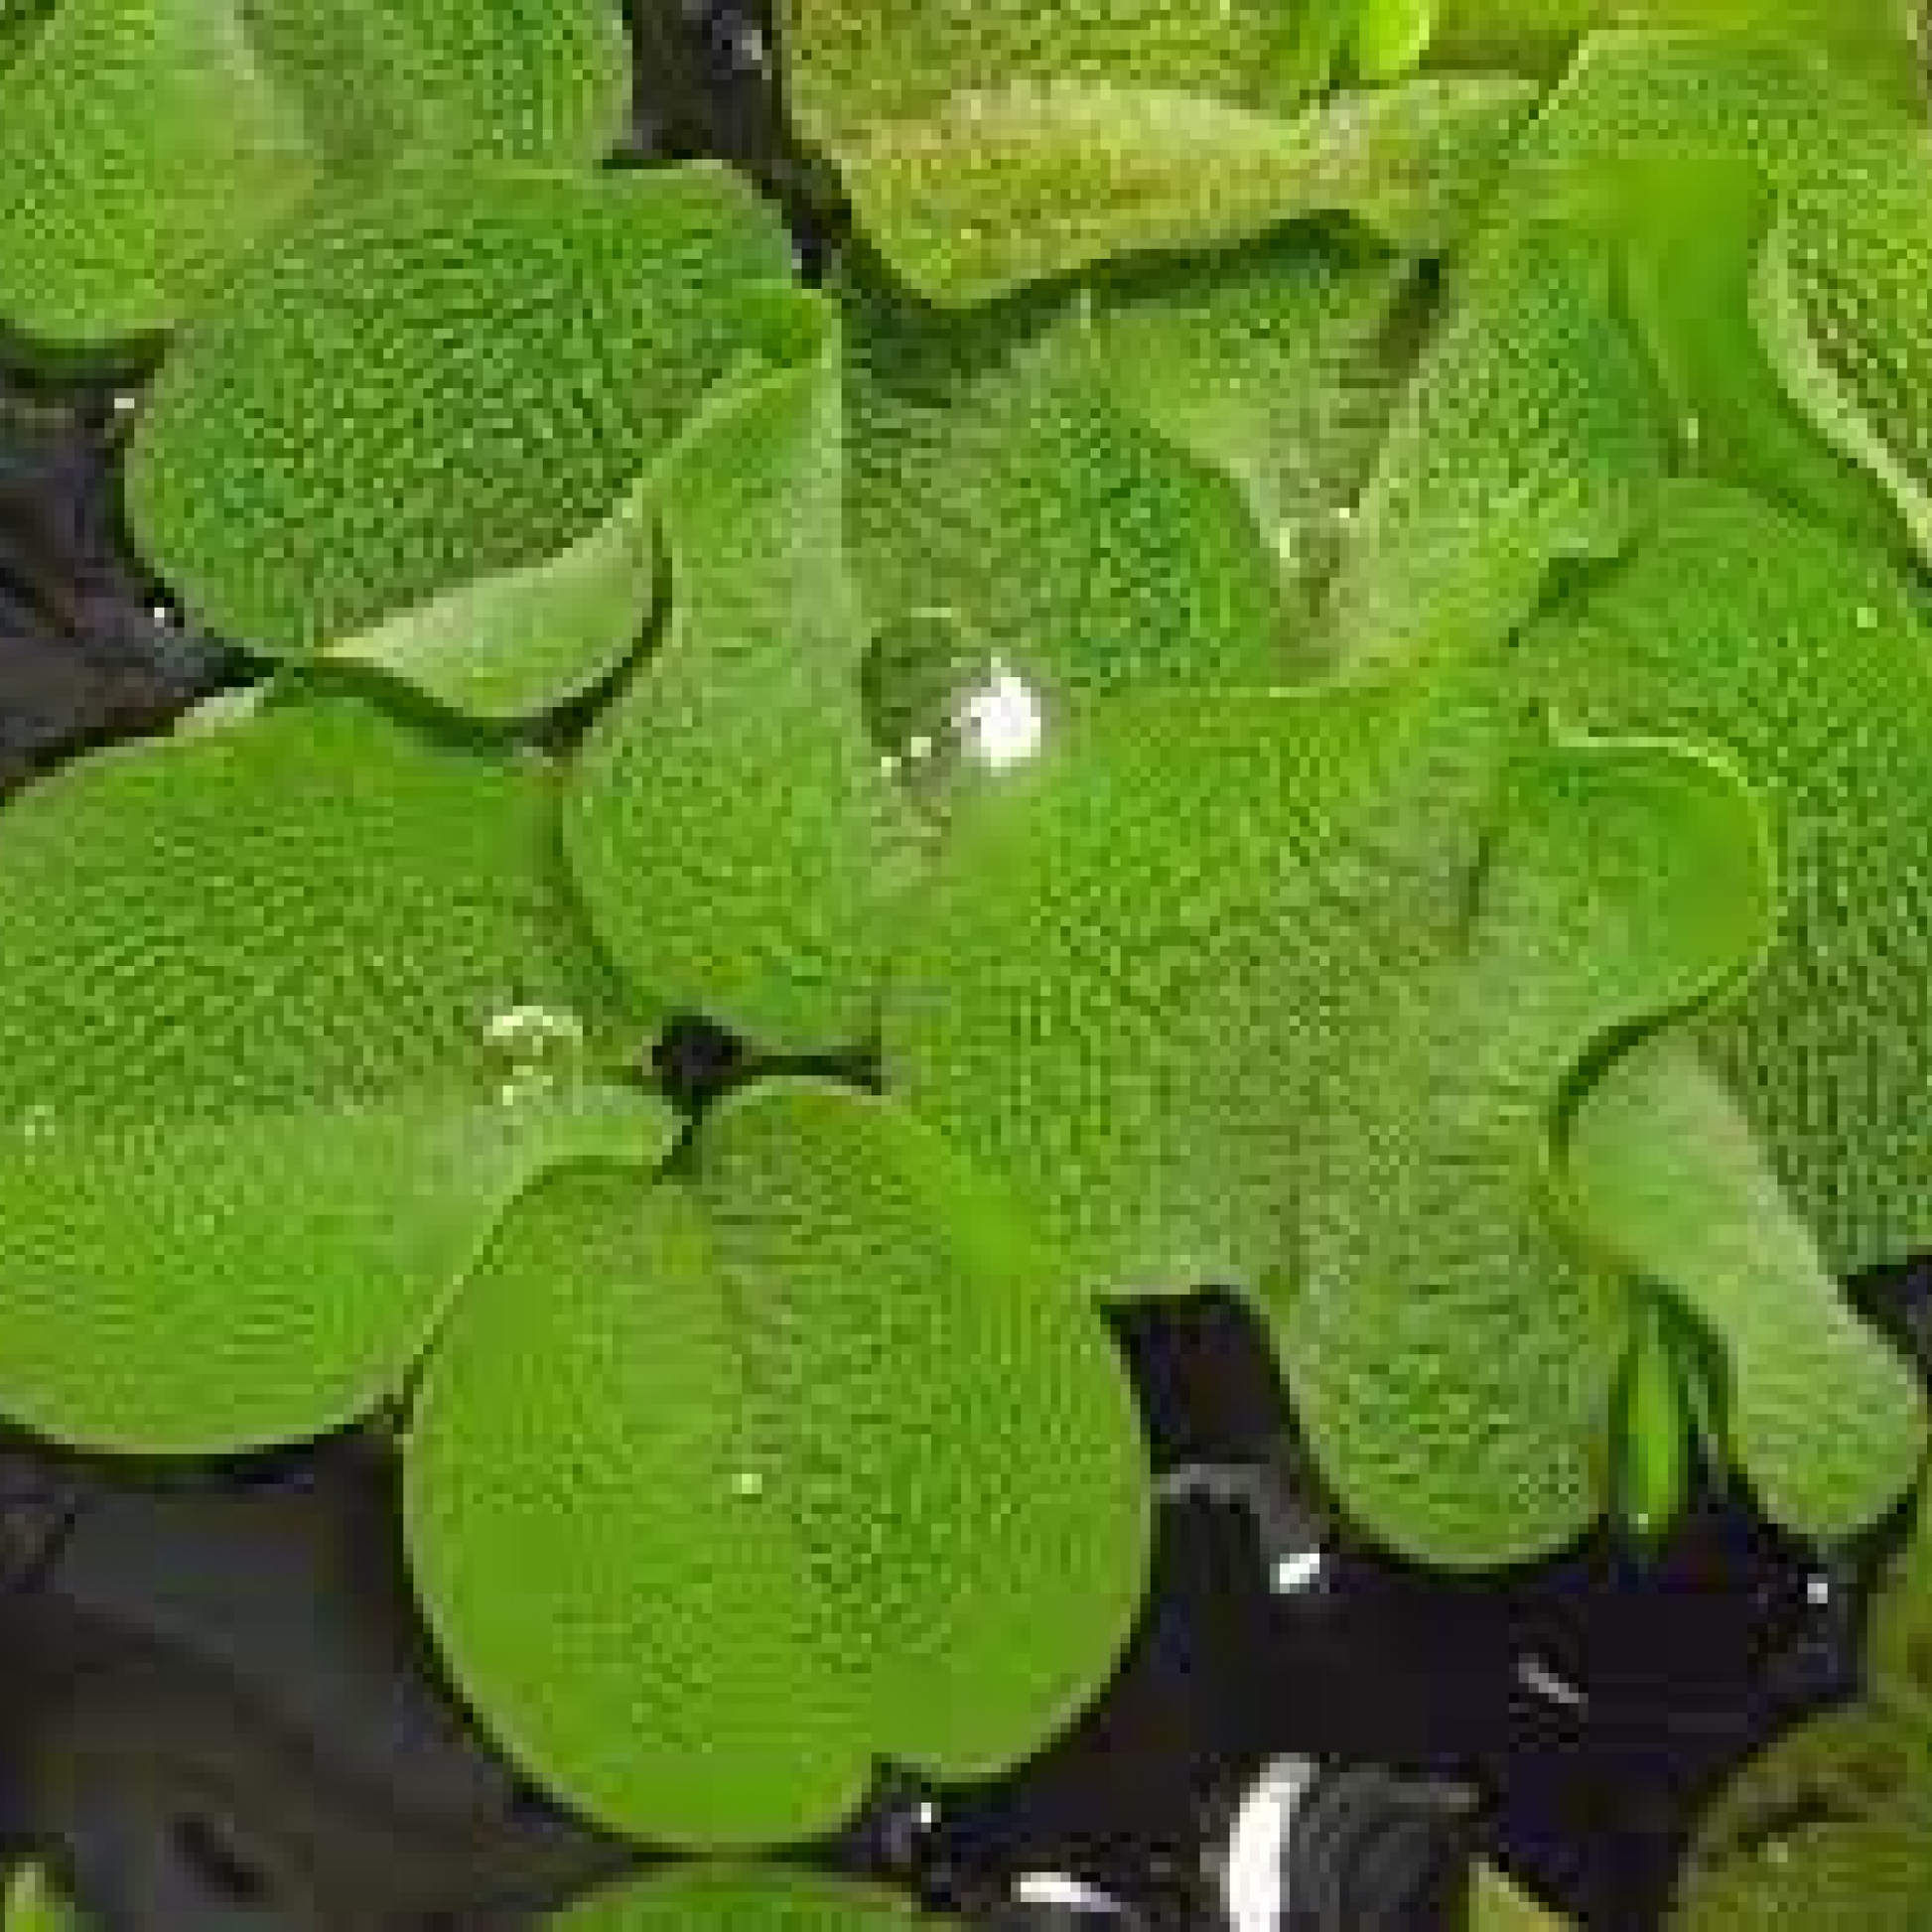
x,y
219,1712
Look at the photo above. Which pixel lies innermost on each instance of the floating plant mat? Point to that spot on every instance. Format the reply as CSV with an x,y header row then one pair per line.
x,y
1304,671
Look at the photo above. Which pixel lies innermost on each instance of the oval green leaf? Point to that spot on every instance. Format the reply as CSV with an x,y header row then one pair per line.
x,y
893,1493
457,373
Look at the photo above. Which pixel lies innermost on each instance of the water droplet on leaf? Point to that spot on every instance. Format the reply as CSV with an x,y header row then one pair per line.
x,y
947,707
542,1048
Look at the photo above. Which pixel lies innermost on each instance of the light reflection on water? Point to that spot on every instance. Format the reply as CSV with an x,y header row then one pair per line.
x,y
1254,1886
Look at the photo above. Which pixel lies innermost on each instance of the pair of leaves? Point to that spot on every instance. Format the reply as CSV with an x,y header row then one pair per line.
x,y
347,934
148,145
542,390
824,1464
986,146
1336,1060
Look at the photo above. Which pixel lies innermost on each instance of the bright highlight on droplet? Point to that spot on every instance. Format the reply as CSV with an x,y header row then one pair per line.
x,y
543,1047
1001,722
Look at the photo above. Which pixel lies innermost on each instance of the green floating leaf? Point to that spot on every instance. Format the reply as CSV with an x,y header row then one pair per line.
x,y
1818,1879
1688,233
989,146
290,1011
1822,1417
739,1898
1830,1829
958,1440
736,844
1878,41
1168,1057
148,144
1810,659
455,374
898,1493
1531,435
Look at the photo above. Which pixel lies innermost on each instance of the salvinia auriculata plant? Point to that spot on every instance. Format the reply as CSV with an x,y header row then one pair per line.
x,y
1315,648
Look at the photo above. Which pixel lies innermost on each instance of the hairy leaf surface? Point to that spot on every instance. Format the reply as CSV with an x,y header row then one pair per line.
x,y
1838,293
1531,435
1171,1053
456,373
728,823
1809,660
989,146
290,1011
1012,514
147,144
